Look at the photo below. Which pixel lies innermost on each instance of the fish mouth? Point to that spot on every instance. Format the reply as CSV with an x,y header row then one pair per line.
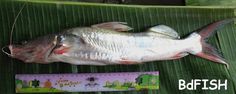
x,y
7,51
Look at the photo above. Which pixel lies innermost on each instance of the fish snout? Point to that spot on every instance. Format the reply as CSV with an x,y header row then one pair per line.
x,y
7,50
14,51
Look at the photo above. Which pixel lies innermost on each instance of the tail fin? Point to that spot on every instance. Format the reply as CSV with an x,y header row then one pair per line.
x,y
208,51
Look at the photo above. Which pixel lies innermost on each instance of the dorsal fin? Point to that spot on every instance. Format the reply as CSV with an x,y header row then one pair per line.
x,y
116,26
163,31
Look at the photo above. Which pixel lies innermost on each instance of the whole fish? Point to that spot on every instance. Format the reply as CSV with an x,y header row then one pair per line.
x,y
109,43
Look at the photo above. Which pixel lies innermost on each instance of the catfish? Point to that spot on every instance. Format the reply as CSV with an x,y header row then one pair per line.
x,y
110,43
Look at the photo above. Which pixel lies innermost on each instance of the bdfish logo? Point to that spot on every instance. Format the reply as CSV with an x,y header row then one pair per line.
x,y
203,84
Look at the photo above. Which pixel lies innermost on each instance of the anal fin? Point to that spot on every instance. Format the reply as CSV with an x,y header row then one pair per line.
x,y
179,55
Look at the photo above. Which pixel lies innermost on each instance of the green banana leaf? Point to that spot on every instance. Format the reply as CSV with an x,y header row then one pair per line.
x,y
40,18
211,2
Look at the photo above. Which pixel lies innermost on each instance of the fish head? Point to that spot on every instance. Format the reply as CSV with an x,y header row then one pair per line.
x,y
36,50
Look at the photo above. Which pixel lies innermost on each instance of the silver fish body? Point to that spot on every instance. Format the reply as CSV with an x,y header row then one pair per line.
x,y
100,47
108,43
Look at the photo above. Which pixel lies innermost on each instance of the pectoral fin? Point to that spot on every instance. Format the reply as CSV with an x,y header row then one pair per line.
x,y
163,31
116,26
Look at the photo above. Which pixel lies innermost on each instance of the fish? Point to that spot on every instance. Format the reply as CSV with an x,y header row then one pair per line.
x,y
110,43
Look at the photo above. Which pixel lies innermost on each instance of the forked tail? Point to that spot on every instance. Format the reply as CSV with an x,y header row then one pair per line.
x,y
208,51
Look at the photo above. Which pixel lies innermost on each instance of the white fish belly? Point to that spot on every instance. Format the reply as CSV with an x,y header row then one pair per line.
x,y
158,49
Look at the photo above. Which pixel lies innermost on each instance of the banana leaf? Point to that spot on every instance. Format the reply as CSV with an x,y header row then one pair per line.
x,y
211,2
40,18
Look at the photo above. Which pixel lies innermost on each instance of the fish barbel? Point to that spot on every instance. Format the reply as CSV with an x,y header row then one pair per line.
x,y
109,43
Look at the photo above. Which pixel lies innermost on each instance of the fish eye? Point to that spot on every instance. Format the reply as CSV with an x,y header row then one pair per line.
x,y
60,39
